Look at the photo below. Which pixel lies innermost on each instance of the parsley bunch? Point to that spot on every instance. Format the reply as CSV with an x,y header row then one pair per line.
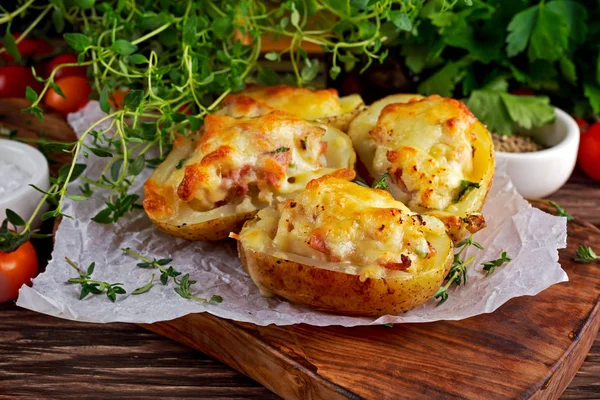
x,y
484,50
186,55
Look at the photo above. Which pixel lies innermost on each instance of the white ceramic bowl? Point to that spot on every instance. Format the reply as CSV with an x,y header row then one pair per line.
x,y
541,173
25,199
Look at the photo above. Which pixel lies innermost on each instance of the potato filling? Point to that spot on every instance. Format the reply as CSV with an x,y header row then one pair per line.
x,y
335,220
426,147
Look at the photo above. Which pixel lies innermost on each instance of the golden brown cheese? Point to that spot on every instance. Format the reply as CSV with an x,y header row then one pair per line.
x,y
335,220
304,103
243,163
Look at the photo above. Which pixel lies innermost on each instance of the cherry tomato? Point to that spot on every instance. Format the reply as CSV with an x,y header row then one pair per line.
x,y
14,80
29,47
589,151
66,58
17,269
523,92
76,90
583,124
116,98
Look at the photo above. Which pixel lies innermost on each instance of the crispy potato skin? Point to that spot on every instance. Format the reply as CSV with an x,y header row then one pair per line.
x,y
216,229
338,292
342,121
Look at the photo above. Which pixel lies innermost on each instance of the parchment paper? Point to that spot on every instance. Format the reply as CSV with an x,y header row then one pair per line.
x,y
530,237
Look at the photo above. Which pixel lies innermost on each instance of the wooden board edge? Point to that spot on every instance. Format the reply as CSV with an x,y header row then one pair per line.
x,y
565,369
278,372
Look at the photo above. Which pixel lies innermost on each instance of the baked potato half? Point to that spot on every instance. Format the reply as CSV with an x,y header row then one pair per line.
x,y
214,180
313,105
434,155
344,248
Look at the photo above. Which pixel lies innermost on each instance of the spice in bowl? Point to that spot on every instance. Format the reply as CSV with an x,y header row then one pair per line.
x,y
515,143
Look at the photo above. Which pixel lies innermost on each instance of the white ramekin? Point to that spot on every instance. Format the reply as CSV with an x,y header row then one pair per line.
x,y
541,173
24,200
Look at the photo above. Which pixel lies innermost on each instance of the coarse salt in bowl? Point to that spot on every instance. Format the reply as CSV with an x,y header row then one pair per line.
x,y
22,165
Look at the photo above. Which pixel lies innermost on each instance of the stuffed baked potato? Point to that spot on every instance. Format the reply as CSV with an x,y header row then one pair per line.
x,y
437,158
314,105
214,180
345,248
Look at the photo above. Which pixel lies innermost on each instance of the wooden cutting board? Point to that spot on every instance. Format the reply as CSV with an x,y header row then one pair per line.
x,y
529,348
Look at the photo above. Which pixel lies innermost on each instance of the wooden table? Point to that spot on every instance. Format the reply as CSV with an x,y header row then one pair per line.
x,y
45,357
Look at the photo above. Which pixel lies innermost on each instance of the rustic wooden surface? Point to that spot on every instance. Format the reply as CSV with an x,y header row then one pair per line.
x,y
44,357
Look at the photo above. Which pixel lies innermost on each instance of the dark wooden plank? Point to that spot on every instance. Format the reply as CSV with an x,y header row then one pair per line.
x,y
43,357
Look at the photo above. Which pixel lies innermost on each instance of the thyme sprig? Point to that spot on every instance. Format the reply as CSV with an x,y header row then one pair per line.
x,y
585,255
560,210
92,286
458,272
381,183
490,266
183,284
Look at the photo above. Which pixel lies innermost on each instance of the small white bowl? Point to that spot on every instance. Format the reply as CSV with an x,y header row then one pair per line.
x,y
541,173
25,199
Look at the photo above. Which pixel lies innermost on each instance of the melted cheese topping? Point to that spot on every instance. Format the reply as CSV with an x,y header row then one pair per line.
x,y
425,144
307,104
337,221
245,163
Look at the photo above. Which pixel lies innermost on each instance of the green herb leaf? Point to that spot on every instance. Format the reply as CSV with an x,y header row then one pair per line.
x,y
381,183
14,218
490,109
145,288
58,19
137,166
520,29
529,111
280,150
11,46
550,36
30,94
585,255
77,41
560,210
133,99
123,47
444,80
63,172
466,187
401,20
115,170
104,103
137,59
85,4
490,266
310,70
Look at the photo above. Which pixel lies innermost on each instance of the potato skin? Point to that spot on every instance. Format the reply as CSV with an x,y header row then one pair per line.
x,y
342,121
338,292
213,230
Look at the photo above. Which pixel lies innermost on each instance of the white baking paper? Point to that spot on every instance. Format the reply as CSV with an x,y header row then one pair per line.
x,y
529,236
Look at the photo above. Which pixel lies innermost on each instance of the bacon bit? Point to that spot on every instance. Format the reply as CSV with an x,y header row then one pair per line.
x,y
399,266
283,157
323,147
317,241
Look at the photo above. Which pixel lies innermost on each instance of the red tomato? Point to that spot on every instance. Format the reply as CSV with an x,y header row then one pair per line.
x,y
17,269
523,92
76,90
66,58
185,109
29,47
14,80
583,124
589,151
116,98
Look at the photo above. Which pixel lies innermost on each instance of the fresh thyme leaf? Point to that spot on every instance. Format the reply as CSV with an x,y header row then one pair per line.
x,y
490,266
560,210
585,255
466,187
182,284
91,286
180,164
381,183
280,150
145,288
389,325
